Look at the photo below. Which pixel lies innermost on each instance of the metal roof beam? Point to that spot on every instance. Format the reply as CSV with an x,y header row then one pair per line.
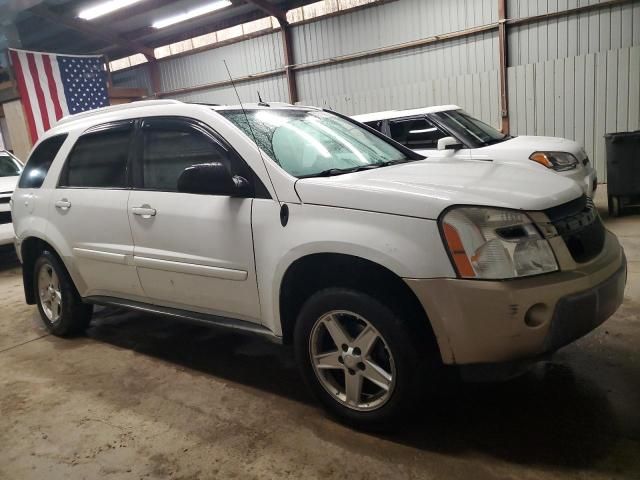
x,y
90,30
270,9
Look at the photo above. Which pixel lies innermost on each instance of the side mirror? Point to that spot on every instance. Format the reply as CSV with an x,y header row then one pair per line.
x,y
449,143
213,179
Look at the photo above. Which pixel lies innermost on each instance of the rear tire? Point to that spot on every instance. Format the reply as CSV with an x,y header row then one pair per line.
x,y
61,308
360,358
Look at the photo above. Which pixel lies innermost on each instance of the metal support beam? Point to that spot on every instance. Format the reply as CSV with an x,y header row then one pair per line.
x,y
502,54
154,75
571,11
285,31
270,9
90,30
223,83
401,47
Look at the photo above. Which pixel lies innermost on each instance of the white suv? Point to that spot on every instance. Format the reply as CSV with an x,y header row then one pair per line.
x,y
378,266
447,131
10,170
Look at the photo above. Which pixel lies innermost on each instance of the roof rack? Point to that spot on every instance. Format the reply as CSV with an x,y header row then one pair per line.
x,y
116,108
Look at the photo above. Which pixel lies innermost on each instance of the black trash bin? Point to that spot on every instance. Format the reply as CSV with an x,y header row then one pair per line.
x,y
623,170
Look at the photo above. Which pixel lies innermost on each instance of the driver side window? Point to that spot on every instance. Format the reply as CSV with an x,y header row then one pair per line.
x,y
416,133
171,146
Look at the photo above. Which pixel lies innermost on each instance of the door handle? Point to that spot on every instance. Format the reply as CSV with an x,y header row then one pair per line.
x,y
144,211
63,204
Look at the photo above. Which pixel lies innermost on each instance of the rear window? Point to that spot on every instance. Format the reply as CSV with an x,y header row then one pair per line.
x,y
99,160
40,161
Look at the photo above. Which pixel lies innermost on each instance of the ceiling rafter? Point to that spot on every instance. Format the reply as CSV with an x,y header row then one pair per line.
x,y
133,10
270,9
228,17
214,25
91,30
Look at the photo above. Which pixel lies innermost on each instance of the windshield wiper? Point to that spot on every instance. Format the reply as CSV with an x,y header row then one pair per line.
x,y
498,140
332,172
393,162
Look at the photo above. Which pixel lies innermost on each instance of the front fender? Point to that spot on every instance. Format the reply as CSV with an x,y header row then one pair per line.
x,y
409,247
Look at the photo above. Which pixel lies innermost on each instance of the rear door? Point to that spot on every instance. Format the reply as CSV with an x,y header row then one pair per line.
x,y
422,135
89,212
192,251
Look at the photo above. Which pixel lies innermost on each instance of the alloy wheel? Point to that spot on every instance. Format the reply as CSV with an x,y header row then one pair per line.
x,y
49,292
352,361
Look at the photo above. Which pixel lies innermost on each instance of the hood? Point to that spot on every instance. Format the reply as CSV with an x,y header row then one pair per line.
x,y
8,184
529,144
424,189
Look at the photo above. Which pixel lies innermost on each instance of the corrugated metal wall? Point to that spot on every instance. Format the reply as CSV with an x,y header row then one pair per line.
x,y
137,77
256,55
457,71
574,76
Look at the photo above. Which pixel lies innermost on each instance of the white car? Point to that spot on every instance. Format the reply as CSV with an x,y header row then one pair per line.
x,y
447,131
10,170
378,266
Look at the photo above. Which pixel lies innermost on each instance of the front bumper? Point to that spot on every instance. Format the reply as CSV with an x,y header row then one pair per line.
x,y
585,176
489,322
6,234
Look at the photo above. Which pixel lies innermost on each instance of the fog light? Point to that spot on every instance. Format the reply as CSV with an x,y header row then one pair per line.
x,y
537,315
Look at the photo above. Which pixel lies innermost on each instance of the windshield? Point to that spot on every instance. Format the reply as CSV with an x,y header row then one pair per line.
x,y
9,167
308,143
474,131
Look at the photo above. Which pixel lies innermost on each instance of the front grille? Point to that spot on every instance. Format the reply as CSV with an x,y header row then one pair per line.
x,y
5,200
579,224
5,217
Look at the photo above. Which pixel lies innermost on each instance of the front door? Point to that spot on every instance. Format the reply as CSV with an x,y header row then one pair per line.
x,y
89,212
193,252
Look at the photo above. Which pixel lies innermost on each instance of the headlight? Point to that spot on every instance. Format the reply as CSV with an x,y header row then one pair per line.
x,y
558,161
492,243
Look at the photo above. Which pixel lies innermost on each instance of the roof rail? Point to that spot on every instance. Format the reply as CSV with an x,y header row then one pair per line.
x,y
116,108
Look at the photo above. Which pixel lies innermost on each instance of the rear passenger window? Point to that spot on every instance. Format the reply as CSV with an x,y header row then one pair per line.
x,y
99,159
170,147
416,133
40,161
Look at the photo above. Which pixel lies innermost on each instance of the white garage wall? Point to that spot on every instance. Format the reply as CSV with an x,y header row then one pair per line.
x,y
137,77
574,76
457,71
256,55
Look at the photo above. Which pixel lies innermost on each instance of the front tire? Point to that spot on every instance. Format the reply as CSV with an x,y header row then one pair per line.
x,y
359,358
61,308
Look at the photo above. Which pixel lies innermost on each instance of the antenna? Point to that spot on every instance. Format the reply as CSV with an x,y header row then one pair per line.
x,y
253,135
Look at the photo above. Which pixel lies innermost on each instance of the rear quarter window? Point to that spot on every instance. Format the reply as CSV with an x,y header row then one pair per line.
x,y
40,161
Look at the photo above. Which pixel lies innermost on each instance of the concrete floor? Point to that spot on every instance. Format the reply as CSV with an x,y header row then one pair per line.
x,y
144,397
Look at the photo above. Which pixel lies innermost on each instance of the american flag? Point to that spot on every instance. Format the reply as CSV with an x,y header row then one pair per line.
x,y
52,86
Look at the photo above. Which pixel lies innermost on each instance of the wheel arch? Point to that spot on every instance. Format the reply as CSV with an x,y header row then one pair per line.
x,y
313,272
30,249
